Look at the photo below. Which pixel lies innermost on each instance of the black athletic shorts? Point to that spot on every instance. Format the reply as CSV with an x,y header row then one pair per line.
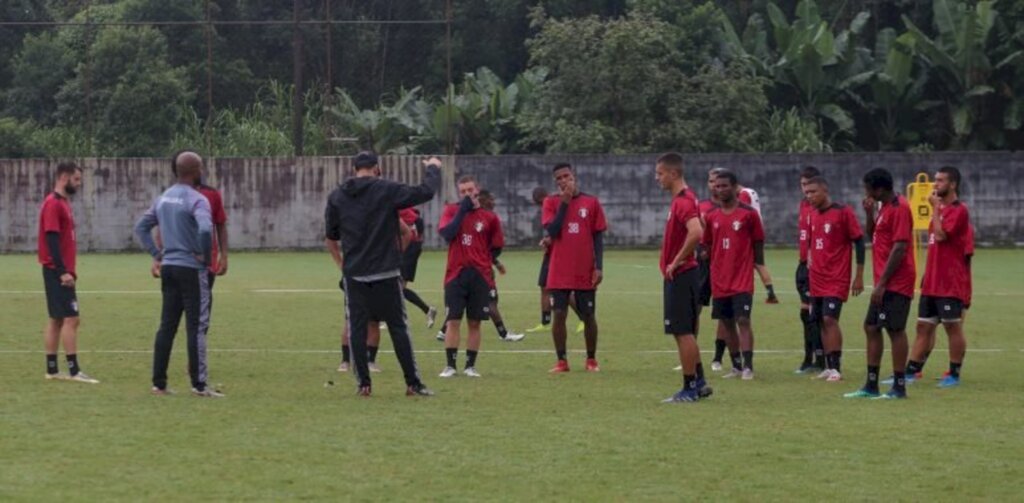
x,y
468,294
681,302
410,259
542,280
735,307
935,309
61,301
803,283
892,314
705,282
826,306
586,301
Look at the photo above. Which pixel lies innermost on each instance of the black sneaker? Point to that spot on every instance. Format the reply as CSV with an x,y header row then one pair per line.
x,y
418,390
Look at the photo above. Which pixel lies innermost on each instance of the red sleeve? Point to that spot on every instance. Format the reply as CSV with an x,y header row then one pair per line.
x,y
408,215
852,224
969,245
744,197
683,209
548,210
600,224
50,220
217,213
954,221
447,215
756,229
903,226
497,236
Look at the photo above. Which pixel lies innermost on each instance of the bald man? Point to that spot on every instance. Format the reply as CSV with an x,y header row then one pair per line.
x,y
183,215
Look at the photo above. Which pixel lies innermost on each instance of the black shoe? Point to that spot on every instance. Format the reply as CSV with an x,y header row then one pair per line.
x,y
364,390
418,390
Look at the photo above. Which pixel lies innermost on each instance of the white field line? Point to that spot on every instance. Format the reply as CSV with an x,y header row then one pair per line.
x,y
439,351
425,290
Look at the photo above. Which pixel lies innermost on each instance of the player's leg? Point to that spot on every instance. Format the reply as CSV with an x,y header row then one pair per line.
x,y
388,307
952,321
927,322
545,301
472,347
742,304
586,304
51,343
357,302
170,317
477,310
69,340
559,332
875,347
415,300
681,310
832,337
192,283
373,340
811,329
456,298
721,310
766,280
346,353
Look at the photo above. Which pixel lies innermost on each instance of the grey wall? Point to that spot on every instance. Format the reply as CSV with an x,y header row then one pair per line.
x,y
278,203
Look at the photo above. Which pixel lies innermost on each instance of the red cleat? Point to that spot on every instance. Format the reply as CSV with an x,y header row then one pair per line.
x,y
364,391
592,365
561,366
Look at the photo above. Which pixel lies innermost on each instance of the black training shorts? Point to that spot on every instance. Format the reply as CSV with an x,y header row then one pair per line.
x,y
891,314
681,303
468,294
734,307
61,301
822,307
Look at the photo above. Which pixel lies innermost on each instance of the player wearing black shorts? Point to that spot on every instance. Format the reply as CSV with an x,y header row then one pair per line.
x,y
412,239
814,356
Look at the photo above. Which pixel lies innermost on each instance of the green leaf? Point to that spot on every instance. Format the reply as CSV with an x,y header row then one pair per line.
x,y
780,27
841,118
807,11
981,90
962,121
1008,60
859,21
945,20
1013,117
900,61
883,41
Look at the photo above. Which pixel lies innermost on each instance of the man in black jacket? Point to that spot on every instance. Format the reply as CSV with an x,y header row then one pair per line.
x,y
362,213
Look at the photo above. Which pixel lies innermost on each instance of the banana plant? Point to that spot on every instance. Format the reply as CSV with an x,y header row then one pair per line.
x,y
388,129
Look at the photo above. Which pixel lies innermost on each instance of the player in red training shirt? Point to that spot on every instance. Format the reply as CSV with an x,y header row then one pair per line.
x,y
834,232
575,224
890,224
749,197
946,285
474,240
57,254
413,221
734,240
814,356
681,283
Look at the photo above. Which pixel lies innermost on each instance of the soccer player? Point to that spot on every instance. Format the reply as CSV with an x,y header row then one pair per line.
x,y
57,254
539,194
749,197
474,240
834,232
813,354
946,285
890,224
487,202
413,222
362,213
183,215
722,339
734,239
678,266
575,223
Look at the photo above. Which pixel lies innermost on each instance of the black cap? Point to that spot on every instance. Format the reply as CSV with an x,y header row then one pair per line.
x,y
365,159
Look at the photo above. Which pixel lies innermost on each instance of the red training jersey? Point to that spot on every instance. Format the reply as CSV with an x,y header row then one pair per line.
x,y
684,208
704,207
479,233
893,224
729,237
831,237
946,273
409,216
572,263
804,226
55,216
218,216
968,254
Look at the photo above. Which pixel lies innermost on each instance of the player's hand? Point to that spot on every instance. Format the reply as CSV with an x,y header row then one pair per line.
x,y
466,204
596,278
154,269
876,295
546,242
934,200
568,192
67,280
670,271
858,286
222,265
433,161
501,268
869,205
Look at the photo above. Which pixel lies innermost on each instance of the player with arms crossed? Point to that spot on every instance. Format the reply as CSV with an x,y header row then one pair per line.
x,y
575,223
890,224
834,232
814,356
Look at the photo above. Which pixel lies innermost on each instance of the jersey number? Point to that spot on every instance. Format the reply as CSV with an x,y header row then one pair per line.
x,y
725,243
574,227
819,244
467,240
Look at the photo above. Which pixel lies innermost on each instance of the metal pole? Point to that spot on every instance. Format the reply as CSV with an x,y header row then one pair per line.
x,y
297,63
209,83
87,78
449,90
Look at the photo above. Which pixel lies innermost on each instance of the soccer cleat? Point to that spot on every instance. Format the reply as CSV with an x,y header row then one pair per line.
x,y
678,368
733,373
771,300
805,368
539,328
365,390
514,337
834,376
592,366
823,375
943,376
561,366
748,375
160,391
373,367
893,394
716,366
343,367
418,390
440,336
910,379
949,381
207,393
683,396
470,372
431,317
83,378
448,372
862,393
703,390
888,380
56,376
579,327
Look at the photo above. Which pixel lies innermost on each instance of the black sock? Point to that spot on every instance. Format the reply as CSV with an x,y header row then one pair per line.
x,y
591,354
914,367
560,354
771,290
371,353
954,369
416,300
450,354
719,350
470,358
830,361
51,364
872,384
748,360
502,331
346,354
545,318
899,381
700,371
73,365
805,319
689,381
737,361
837,361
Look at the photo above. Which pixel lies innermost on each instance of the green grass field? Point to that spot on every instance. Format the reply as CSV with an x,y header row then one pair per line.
x,y
516,434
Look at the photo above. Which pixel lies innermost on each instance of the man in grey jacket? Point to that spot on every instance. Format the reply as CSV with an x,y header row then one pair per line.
x,y
183,215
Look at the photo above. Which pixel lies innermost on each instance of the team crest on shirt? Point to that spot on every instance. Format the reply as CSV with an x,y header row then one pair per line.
x,y
479,226
583,213
828,228
736,225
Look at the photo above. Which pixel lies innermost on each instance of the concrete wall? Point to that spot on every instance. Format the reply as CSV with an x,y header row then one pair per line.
x,y
278,202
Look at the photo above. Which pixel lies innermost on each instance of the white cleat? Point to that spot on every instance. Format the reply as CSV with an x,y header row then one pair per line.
x,y
716,366
440,336
448,372
677,368
431,317
208,393
343,367
834,376
733,373
748,375
514,337
824,374
83,378
56,377
373,367
471,372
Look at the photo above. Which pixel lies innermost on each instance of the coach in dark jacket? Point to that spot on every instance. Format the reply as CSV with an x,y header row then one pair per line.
x,y
362,213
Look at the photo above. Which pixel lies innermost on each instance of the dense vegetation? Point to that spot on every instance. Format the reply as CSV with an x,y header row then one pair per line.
x,y
528,76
